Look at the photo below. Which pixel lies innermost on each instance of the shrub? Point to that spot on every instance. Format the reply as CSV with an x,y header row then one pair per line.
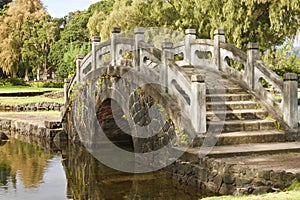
x,y
53,85
16,82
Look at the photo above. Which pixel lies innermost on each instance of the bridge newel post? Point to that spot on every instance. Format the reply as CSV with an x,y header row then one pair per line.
x,y
66,86
113,49
190,36
252,56
79,58
167,54
198,103
139,35
219,36
95,42
290,99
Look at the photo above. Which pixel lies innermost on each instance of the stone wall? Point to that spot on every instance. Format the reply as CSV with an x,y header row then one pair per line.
x,y
50,130
223,178
40,106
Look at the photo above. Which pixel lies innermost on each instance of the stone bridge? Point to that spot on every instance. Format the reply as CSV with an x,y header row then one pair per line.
x,y
196,92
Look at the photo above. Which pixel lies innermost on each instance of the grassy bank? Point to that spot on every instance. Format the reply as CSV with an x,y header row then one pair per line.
x,y
25,100
14,89
292,193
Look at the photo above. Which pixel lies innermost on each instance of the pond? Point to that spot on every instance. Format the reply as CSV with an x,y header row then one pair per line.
x,y
28,171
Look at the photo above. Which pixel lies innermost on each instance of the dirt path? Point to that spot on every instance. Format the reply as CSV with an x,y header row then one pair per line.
x,y
33,117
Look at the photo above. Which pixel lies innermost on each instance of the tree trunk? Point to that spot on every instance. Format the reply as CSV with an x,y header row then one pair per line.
x,y
51,72
38,73
26,78
45,73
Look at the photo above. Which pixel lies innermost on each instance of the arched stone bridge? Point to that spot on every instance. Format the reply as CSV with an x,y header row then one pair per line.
x,y
190,91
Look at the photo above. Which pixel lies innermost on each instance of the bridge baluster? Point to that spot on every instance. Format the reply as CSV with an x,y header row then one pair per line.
x,y
66,89
113,50
219,36
78,64
252,56
198,103
190,37
167,54
139,35
95,42
290,100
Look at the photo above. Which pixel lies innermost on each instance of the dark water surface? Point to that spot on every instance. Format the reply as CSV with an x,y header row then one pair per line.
x,y
28,171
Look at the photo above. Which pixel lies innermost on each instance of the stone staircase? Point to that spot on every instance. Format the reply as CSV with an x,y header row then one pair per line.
x,y
238,122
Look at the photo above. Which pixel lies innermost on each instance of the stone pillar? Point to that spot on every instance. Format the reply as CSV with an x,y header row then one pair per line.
x,y
78,64
113,49
66,86
190,37
167,54
290,99
139,35
219,36
198,103
95,43
252,57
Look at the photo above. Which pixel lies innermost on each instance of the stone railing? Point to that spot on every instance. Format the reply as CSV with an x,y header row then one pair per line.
x,y
216,54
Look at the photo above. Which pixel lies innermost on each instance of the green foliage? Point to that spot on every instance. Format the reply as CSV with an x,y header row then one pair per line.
x,y
283,60
13,82
53,85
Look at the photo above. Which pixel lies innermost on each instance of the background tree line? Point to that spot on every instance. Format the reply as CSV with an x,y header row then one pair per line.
x,y
34,43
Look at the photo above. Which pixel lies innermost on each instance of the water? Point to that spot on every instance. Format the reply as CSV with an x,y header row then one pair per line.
x,y
28,171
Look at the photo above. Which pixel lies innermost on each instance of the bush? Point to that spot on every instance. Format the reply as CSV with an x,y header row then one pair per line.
x,y
17,81
53,85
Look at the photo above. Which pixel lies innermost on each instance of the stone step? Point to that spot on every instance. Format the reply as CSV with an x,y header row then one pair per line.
x,y
225,90
240,125
236,115
228,97
244,137
232,105
240,150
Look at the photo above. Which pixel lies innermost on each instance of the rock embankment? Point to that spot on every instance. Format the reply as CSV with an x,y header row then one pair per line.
x,y
40,106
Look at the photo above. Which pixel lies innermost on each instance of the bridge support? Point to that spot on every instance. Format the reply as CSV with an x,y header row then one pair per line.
x,y
198,103
290,100
252,57
219,36
167,54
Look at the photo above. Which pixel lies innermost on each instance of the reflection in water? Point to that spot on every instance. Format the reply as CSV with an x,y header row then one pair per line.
x,y
28,172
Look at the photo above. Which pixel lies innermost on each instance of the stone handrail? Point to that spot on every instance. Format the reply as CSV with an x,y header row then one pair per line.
x,y
214,54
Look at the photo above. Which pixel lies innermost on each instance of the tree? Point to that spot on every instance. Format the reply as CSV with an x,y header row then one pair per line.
x,y
74,37
12,35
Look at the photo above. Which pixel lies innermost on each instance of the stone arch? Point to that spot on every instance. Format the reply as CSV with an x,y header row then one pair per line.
x,y
107,113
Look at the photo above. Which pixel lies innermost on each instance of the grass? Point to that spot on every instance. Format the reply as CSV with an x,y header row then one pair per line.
x,y
292,193
25,100
13,89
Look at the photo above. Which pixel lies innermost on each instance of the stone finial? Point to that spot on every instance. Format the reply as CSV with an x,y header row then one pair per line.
x,y
79,57
96,39
190,31
252,45
197,78
139,30
290,77
219,32
167,44
116,30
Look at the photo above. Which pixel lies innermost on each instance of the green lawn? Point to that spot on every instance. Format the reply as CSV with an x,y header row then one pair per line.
x,y
13,89
24,100
289,195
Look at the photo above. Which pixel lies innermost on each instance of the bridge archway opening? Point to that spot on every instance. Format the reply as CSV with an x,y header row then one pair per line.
x,y
108,112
